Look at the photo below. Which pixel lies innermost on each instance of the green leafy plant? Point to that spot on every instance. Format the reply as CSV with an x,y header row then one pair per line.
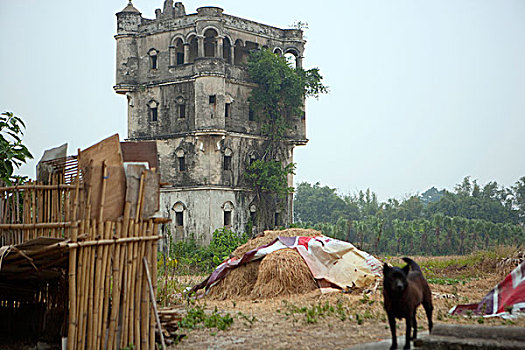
x,y
12,151
277,99
187,256
196,317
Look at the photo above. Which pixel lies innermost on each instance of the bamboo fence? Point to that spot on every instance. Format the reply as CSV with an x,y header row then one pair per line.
x,y
109,297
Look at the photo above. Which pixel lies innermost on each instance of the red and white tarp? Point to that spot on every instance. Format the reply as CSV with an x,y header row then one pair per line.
x,y
506,300
337,262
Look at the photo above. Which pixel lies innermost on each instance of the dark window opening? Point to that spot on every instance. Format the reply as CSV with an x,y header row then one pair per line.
x,y
253,217
227,163
154,62
227,108
182,111
213,99
252,159
182,164
154,114
251,116
180,57
277,219
227,218
179,218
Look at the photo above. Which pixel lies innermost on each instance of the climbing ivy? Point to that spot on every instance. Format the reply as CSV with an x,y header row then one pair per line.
x,y
277,99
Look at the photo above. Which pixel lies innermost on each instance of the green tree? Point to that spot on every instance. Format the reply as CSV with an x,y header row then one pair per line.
x,y
12,151
318,203
519,198
277,98
438,222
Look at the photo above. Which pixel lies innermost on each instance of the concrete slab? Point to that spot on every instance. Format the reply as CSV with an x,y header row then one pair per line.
x,y
386,343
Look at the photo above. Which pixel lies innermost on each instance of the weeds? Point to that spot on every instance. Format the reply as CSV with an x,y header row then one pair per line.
x,y
250,320
314,312
196,317
189,257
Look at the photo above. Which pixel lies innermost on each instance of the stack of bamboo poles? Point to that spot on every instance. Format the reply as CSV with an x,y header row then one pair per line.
x,y
109,292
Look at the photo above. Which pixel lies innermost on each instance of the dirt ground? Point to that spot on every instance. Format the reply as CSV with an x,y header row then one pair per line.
x,y
352,318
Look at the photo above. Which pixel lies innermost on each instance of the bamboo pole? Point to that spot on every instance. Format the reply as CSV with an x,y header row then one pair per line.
x,y
85,287
99,267
103,193
80,287
138,286
134,263
125,307
144,309
107,288
35,186
42,225
117,281
154,302
91,286
72,293
141,195
122,271
154,272
102,271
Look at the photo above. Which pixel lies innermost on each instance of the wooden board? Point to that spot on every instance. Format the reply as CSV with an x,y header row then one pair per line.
x,y
140,151
150,200
90,162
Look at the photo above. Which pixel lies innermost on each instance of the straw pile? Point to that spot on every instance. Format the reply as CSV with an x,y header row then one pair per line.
x,y
280,273
238,284
269,236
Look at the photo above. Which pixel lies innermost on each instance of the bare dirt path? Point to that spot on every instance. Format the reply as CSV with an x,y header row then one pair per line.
x,y
349,319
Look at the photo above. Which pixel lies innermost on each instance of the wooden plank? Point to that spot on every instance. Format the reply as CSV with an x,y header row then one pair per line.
x,y
91,164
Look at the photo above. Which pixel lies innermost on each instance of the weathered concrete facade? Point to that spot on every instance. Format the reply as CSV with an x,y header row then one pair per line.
x,y
187,88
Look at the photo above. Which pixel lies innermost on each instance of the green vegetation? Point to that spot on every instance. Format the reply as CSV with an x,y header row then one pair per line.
x,y
276,100
12,152
343,311
471,218
196,317
187,256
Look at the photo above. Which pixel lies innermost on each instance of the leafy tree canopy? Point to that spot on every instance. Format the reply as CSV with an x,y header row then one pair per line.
x,y
12,151
280,91
278,97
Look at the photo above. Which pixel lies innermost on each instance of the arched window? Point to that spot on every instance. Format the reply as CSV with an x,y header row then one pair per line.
x,y
278,51
227,163
181,158
153,57
177,52
210,42
181,107
239,53
153,110
227,209
194,47
253,214
293,56
179,209
227,50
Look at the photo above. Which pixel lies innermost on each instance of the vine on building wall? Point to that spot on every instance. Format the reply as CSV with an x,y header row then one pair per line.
x,y
277,99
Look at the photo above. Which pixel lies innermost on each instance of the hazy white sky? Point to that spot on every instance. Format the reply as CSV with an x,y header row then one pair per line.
x,y
422,93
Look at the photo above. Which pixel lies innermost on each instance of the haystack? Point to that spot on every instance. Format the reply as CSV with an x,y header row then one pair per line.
x,y
238,284
282,273
270,236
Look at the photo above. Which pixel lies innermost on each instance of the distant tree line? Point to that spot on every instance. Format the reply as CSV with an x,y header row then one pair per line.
x,y
469,218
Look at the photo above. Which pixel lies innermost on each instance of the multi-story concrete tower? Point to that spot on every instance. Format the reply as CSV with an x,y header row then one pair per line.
x,y
187,87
